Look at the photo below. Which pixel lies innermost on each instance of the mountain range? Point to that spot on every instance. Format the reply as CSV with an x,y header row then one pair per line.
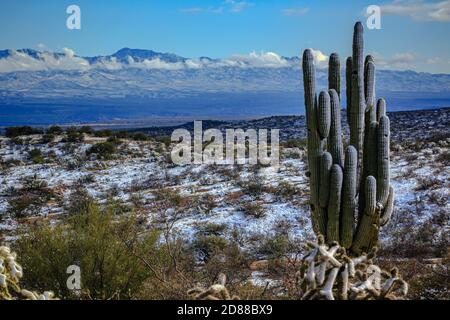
x,y
38,87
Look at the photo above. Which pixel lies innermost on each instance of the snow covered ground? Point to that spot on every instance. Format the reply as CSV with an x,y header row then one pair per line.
x,y
140,169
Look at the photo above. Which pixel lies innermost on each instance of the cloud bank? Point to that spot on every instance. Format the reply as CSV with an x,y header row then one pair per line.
x,y
419,10
27,60
67,60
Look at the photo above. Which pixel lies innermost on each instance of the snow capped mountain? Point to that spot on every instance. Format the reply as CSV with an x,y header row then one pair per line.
x,y
257,83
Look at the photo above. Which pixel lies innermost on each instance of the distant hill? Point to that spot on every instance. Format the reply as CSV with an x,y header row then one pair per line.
x,y
41,87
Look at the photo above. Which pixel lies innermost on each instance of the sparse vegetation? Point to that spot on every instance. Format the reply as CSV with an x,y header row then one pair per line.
x,y
13,132
36,156
255,210
103,150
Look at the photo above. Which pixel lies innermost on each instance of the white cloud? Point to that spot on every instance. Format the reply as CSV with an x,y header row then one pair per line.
x,y
18,61
233,6
419,10
399,61
435,60
238,6
263,60
195,10
68,52
291,12
320,59
41,46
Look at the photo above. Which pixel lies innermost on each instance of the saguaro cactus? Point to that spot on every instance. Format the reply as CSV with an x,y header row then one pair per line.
x,y
351,196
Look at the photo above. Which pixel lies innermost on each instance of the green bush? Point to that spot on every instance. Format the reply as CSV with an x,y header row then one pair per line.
x,y
295,143
208,245
47,138
73,135
103,150
103,133
139,136
55,130
13,132
255,210
106,246
35,155
30,198
86,129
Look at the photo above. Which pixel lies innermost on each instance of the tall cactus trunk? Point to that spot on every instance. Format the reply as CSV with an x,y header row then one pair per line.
x,y
350,196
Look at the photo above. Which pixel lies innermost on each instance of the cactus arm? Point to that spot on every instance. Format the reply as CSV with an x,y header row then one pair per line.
x,y
369,219
381,108
315,144
324,115
348,84
383,177
334,207
369,85
334,73
325,166
387,214
335,145
348,197
358,107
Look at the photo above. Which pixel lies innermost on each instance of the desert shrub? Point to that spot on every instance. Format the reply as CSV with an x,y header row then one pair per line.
x,y
431,282
166,140
47,138
208,245
427,240
29,199
444,158
286,190
79,201
427,183
105,246
35,155
169,197
55,130
24,205
255,210
253,186
274,247
13,132
86,129
212,229
18,141
103,133
295,143
114,140
103,150
227,172
292,155
73,135
11,163
140,136
437,137
209,203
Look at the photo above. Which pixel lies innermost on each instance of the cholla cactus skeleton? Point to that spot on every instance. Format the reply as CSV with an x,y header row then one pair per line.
x,y
10,275
329,274
351,196
217,291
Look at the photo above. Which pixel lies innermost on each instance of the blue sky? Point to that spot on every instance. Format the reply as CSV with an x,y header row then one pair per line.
x,y
414,33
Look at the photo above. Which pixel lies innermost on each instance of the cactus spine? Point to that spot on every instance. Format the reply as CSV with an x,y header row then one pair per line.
x,y
358,182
